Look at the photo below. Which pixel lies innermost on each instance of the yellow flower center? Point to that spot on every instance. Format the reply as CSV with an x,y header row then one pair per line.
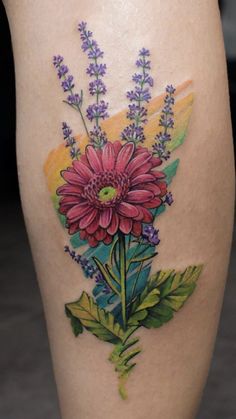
x,y
107,194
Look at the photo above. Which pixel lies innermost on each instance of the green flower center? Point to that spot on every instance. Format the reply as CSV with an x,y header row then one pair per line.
x,y
107,193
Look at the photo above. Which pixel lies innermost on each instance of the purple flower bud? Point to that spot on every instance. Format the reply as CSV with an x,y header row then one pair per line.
x,y
170,89
68,84
144,52
57,60
97,87
169,199
150,235
75,99
96,70
62,70
99,110
98,137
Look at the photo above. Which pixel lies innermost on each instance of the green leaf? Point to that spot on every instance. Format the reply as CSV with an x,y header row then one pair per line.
x,y
96,320
170,171
75,323
165,293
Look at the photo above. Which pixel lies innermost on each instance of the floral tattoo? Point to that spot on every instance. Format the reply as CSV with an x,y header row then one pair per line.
x,y
109,186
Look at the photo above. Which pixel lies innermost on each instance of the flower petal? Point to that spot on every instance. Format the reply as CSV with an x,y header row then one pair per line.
x,y
88,218
146,177
113,227
100,234
138,161
82,170
105,217
154,203
108,157
139,196
73,178
94,225
78,211
92,241
153,187
158,175
93,159
141,169
73,228
108,239
124,156
69,190
145,215
155,161
125,225
127,210
137,229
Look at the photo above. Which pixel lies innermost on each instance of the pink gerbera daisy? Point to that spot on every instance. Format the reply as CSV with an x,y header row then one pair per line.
x,y
111,190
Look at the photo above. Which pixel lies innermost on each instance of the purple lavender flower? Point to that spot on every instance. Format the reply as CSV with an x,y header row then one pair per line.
x,y
70,141
138,96
166,121
97,87
98,137
96,70
62,70
75,99
57,60
67,84
98,110
150,235
169,199
100,281
133,133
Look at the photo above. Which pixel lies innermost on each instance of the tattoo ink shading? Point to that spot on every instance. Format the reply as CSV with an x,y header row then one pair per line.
x,y
109,191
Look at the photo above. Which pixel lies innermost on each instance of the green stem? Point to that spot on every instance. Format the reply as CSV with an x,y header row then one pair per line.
x,y
122,260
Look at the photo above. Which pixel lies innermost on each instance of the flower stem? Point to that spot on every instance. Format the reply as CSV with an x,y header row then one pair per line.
x,y
122,260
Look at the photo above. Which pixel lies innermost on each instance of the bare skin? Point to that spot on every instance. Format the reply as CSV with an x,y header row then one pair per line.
x,y
186,43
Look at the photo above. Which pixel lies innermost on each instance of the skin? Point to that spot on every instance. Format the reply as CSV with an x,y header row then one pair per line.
x,y
185,40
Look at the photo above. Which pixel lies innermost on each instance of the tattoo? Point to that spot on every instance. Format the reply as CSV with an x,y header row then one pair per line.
x,y
108,191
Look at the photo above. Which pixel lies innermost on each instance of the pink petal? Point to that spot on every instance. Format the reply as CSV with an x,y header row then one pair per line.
x,y
154,203
127,210
139,196
93,159
138,161
74,228
94,225
158,175
78,211
163,188
146,215
108,157
73,178
83,170
107,240
105,217
83,235
70,200
117,146
69,190
141,169
88,218
147,177
136,229
92,241
153,187
125,225
124,156
155,161
113,227
100,234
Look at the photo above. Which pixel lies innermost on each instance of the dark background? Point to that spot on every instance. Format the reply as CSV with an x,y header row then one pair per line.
x,y
27,388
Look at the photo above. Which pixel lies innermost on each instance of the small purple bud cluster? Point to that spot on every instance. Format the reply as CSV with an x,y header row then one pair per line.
x,y
169,199
98,138
67,82
70,141
96,70
167,123
150,235
137,113
90,270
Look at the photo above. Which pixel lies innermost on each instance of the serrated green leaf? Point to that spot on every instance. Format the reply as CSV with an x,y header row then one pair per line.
x,y
75,323
171,289
99,322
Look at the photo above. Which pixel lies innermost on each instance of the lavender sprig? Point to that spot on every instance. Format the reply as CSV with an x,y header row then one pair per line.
x,y
74,100
90,270
138,97
96,70
70,141
167,124
150,235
